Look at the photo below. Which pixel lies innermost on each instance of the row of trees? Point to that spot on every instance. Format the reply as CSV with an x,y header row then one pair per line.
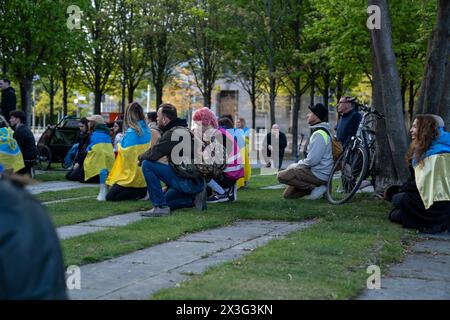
x,y
319,47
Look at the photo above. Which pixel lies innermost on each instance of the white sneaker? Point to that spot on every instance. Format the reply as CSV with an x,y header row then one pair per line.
x,y
317,193
103,191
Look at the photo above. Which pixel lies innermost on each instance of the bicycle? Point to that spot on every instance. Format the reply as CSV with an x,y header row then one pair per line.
x,y
357,161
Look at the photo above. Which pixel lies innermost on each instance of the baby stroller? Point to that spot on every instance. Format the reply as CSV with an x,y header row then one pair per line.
x,y
56,141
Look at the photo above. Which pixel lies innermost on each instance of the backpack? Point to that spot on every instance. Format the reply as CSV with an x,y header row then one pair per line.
x,y
208,168
336,145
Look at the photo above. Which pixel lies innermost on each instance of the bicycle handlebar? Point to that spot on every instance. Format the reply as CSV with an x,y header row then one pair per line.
x,y
369,109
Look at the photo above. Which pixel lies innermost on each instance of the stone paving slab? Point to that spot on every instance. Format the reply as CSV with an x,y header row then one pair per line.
x,y
423,266
432,247
57,186
115,221
142,273
98,225
67,232
408,289
423,275
444,236
67,200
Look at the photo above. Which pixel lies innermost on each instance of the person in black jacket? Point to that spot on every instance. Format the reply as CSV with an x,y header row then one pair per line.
x,y
31,262
25,140
8,102
280,139
76,173
159,163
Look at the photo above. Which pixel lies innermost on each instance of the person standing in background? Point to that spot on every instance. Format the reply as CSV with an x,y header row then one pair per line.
x,y
8,102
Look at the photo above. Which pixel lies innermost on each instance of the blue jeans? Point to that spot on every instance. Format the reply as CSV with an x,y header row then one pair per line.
x,y
182,191
397,200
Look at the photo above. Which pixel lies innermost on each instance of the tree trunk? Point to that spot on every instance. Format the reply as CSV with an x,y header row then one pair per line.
x,y
52,100
433,86
326,88
295,112
387,88
411,94
64,81
385,173
339,86
272,97
444,104
159,94
122,102
207,97
131,90
25,96
253,101
403,88
313,89
98,101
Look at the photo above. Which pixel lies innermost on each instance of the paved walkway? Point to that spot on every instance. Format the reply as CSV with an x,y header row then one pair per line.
x,y
98,225
142,273
57,186
423,275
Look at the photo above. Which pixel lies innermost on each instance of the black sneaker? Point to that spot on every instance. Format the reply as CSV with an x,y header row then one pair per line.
x,y
218,198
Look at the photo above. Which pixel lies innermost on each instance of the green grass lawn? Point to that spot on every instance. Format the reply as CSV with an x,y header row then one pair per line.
x,y
46,176
326,261
67,194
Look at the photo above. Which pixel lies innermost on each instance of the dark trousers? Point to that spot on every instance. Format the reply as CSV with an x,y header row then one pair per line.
x,y
119,193
181,192
415,216
78,175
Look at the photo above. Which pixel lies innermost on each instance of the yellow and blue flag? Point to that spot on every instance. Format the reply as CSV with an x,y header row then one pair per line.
x,y
100,153
433,172
126,172
10,154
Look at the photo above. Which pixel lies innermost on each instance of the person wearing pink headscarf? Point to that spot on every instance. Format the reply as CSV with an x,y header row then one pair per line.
x,y
222,183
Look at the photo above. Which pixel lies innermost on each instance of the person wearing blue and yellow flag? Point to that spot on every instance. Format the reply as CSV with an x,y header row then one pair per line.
x,y
126,179
244,146
100,154
423,202
10,154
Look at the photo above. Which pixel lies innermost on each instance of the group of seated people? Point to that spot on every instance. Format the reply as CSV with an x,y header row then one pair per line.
x,y
145,158
132,160
131,165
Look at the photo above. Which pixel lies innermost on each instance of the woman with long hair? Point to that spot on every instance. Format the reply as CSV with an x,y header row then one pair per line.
x,y
117,134
126,179
423,202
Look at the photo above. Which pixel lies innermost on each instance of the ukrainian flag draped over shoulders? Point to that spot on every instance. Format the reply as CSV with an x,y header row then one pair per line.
x,y
126,172
100,153
433,175
10,154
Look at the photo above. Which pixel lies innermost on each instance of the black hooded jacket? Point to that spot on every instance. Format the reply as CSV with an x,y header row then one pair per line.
x,y
8,103
31,263
165,143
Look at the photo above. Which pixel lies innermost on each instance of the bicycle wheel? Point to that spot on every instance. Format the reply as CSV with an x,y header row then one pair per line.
x,y
44,158
349,170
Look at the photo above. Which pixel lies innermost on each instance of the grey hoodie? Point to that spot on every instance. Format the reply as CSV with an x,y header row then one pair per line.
x,y
319,150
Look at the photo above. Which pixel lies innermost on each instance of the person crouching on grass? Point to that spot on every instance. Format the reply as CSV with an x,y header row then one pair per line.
x,y
126,179
310,175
